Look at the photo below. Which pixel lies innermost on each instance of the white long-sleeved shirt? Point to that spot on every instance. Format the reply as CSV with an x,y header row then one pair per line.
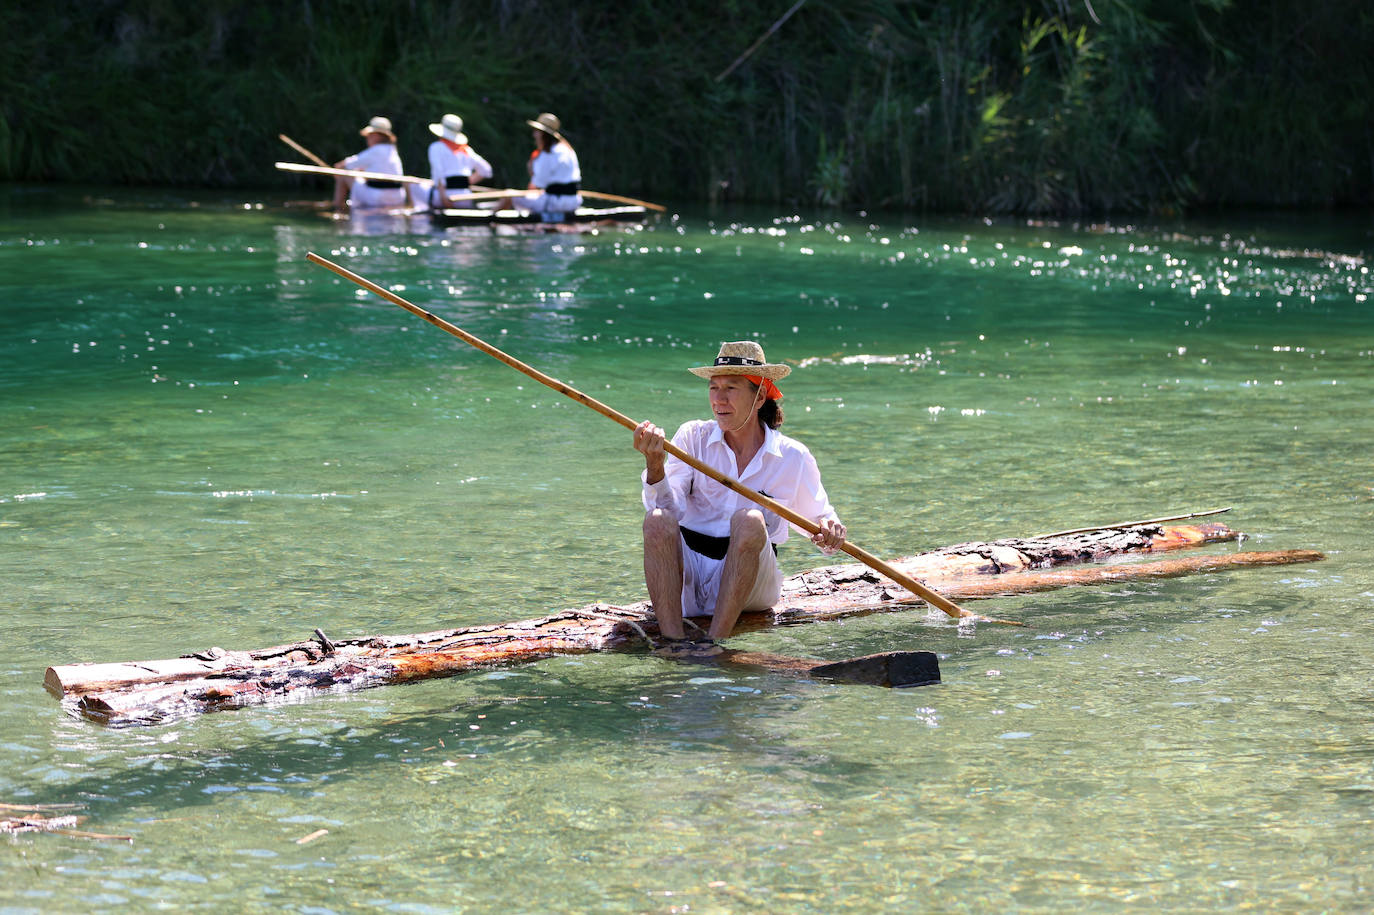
x,y
783,470
558,165
379,158
445,163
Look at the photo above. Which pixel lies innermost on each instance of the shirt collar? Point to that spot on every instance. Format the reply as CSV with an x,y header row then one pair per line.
x,y
771,439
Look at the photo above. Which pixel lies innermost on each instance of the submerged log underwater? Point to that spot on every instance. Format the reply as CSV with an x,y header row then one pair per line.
x,y
151,692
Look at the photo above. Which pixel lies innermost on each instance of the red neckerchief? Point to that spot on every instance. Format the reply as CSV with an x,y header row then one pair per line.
x,y
770,390
456,147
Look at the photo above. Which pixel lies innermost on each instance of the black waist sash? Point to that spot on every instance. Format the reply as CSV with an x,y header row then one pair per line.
x,y
566,189
382,184
708,546
456,181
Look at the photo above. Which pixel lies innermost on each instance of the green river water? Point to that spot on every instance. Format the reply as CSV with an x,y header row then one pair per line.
x,y
207,440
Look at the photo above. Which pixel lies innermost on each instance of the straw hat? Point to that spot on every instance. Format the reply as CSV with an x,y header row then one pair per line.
x,y
742,358
451,128
379,125
547,123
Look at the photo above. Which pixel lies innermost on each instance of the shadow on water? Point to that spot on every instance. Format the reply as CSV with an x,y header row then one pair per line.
x,y
525,715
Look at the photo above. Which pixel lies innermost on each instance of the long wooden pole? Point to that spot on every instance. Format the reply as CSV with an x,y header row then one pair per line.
x,y
873,562
1114,527
627,200
302,150
753,47
347,172
497,194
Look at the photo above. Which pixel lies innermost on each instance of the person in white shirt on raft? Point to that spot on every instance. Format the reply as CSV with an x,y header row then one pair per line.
x,y
554,171
707,549
380,157
454,166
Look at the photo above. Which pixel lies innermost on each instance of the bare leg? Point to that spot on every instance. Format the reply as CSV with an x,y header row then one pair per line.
x,y
748,534
663,570
342,187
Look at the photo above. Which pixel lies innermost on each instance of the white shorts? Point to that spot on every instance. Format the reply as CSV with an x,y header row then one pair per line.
x,y
366,197
549,203
701,581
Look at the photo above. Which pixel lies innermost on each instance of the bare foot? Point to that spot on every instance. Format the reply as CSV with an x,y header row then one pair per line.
x,y
688,648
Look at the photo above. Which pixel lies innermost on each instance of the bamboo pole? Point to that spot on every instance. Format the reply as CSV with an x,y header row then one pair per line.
x,y
1117,527
348,173
626,200
501,193
302,150
496,193
873,562
753,47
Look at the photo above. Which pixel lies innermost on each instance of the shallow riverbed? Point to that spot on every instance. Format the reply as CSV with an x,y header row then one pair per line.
x,y
206,440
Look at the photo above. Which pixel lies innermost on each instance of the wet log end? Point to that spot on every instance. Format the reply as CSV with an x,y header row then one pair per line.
x,y
64,680
1177,536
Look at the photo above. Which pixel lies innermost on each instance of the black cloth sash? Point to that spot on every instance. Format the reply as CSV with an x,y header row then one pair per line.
x,y
708,546
382,184
569,188
456,181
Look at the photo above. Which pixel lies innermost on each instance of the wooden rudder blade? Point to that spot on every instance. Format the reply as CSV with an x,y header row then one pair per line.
x,y
899,669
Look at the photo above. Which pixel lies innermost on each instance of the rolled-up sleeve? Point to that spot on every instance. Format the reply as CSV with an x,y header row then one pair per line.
x,y
658,495
666,493
481,166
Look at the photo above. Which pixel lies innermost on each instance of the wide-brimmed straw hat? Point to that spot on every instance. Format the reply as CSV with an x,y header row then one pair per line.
x,y
744,357
450,128
547,123
379,125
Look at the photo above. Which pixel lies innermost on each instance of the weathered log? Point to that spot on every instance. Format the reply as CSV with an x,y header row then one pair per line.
x,y
153,691
806,594
1052,580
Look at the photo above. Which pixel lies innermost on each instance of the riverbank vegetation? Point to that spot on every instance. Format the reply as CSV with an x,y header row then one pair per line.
x,y
984,106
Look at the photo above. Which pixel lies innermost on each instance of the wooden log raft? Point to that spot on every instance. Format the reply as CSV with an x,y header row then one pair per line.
x,y
148,692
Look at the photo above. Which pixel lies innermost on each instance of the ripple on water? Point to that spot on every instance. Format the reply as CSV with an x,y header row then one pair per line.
x,y
216,444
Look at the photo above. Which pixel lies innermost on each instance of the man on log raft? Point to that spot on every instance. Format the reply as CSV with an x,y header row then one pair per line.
x,y
555,174
709,551
380,157
454,166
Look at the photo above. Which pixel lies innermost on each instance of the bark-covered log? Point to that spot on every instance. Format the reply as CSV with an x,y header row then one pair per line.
x,y
153,691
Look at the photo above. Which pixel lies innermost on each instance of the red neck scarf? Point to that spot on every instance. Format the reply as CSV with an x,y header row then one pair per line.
x,y
456,147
